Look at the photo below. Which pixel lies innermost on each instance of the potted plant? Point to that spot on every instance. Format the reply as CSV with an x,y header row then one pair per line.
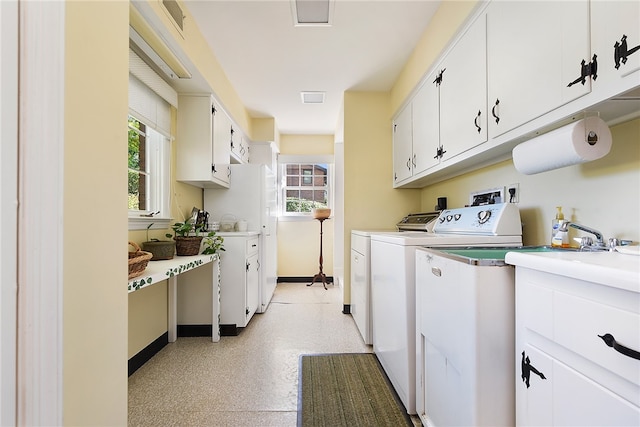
x,y
161,249
212,243
187,237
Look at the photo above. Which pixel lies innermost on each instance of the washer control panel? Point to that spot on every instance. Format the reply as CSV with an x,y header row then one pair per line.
x,y
496,219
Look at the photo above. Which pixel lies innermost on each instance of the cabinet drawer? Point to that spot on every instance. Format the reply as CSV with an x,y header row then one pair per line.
x,y
579,323
252,246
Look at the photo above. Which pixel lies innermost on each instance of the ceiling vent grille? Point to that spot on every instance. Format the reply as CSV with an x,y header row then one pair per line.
x,y
312,97
175,12
312,12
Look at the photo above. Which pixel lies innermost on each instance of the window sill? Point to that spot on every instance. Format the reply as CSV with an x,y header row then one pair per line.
x,y
297,218
141,223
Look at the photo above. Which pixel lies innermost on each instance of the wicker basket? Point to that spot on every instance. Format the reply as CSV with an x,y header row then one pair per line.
x,y
138,261
188,245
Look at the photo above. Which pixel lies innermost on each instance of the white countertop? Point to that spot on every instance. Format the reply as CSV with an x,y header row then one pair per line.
x,y
158,271
606,268
237,233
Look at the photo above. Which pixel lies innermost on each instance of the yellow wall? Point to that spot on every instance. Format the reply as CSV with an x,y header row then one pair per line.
x,y
437,36
153,310
196,48
299,240
603,194
95,214
370,202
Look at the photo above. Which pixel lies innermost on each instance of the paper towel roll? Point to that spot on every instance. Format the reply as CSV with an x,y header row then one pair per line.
x,y
579,142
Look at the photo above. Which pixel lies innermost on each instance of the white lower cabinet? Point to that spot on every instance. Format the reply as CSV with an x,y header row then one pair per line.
x,y
239,281
565,372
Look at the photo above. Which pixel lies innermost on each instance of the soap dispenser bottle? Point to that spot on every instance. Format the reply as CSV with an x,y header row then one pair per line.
x,y
561,239
556,223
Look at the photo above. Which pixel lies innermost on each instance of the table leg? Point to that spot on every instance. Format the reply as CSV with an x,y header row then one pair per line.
x,y
172,315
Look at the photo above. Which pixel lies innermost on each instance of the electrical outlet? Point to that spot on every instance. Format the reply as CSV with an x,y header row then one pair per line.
x,y
513,193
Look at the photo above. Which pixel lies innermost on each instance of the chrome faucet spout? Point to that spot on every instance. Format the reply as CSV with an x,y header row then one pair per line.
x,y
599,237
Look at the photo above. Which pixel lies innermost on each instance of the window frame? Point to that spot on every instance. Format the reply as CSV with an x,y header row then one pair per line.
x,y
158,158
285,160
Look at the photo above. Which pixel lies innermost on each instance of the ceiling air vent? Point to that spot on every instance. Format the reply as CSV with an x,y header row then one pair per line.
x,y
312,97
312,12
175,12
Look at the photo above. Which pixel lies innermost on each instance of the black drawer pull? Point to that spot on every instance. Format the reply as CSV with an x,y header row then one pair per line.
x,y
611,342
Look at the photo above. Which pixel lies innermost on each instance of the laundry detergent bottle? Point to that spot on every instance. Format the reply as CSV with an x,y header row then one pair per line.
x,y
556,223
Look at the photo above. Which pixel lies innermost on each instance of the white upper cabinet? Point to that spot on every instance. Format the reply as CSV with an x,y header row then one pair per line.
x,y
615,39
535,53
202,153
402,149
463,93
239,146
426,129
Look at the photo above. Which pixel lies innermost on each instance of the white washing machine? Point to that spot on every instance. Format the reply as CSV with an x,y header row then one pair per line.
x,y
393,291
360,306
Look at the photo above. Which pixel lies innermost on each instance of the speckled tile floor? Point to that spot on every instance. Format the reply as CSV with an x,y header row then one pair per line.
x,y
250,379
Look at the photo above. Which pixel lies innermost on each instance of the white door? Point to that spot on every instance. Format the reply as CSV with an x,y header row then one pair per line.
x,y
615,37
535,51
8,208
463,93
402,151
425,126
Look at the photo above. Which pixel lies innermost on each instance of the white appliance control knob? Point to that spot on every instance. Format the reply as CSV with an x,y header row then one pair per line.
x,y
483,216
449,218
457,216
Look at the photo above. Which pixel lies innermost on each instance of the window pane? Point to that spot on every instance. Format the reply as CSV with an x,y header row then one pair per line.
x,y
306,187
137,180
137,191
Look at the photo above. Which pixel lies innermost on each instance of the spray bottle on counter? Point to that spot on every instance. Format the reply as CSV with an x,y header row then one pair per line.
x,y
556,223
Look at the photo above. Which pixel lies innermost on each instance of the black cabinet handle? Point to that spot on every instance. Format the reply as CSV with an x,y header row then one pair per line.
x,y
611,342
526,369
621,51
475,121
439,152
587,70
213,168
493,111
438,80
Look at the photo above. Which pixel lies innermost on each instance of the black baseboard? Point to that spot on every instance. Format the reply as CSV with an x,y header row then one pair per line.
x,y
229,330
144,355
346,309
301,279
194,330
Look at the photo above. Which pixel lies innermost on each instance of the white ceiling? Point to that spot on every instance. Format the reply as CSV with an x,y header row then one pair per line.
x,y
269,61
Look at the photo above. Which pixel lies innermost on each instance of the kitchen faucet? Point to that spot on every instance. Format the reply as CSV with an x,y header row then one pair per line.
x,y
586,242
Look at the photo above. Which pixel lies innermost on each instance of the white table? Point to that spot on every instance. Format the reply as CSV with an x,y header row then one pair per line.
x,y
158,271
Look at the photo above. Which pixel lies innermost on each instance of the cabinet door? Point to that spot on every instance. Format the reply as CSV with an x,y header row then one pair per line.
x,y
535,51
615,38
402,151
534,395
221,155
253,285
194,144
463,93
426,134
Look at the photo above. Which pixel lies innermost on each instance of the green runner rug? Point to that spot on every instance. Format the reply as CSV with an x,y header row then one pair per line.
x,y
347,390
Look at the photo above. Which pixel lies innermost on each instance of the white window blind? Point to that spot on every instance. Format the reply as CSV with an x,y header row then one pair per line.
x,y
150,97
